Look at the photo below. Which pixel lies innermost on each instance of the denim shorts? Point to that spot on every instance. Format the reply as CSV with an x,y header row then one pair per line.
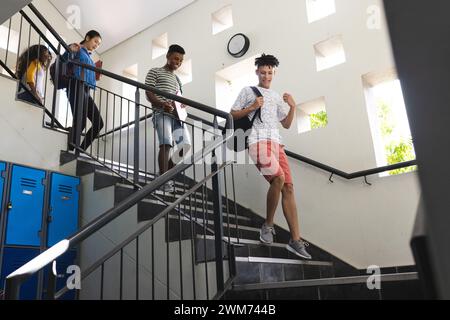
x,y
170,130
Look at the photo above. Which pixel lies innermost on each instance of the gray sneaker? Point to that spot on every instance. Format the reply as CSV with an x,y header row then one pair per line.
x,y
266,234
299,248
168,187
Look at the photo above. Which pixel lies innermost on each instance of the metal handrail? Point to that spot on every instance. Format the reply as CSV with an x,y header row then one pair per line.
x,y
334,171
49,27
185,101
14,280
147,226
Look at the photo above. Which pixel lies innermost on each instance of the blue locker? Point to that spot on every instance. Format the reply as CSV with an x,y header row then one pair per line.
x,y
13,259
2,183
63,215
62,263
24,218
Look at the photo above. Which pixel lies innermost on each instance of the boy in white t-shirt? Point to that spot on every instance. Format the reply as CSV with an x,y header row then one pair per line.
x,y
267,151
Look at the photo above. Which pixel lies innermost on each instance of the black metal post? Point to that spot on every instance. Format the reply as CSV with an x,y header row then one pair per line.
x,y
79,115
218,217
51,287
12,288
136,136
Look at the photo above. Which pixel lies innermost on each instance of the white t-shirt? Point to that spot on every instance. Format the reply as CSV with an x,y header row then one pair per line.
x,y
273,112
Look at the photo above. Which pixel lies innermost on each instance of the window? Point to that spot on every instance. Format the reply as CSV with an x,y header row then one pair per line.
x,y
319,9
222,20
312,115
329,53
389,122
160,46
129,92
13,43
185,72
231,80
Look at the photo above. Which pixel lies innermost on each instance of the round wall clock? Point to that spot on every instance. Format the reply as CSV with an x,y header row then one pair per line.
x,y
238,45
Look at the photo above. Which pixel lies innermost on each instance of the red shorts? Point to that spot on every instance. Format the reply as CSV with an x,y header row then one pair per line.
x,y
271,160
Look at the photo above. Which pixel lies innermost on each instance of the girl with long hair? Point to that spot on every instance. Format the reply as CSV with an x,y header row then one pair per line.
x,y
31,70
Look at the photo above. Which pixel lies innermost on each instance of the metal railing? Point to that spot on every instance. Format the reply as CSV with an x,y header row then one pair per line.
x,y
117,145
327,168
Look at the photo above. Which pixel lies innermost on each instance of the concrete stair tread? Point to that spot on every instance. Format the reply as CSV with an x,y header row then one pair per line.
x,y
411,276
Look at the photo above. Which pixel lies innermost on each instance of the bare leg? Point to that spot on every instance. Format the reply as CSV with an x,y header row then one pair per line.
x,y
273,198
290,210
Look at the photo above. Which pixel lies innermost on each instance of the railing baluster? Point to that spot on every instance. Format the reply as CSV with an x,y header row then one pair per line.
x,y
99,119
155,154
168,255
128,141
153,262
79,115
20,40
193,230
235,205
227,206
94,96
137,268
7,42
180,243
55,90
121,274
205,194
102,280
29,44
45,89
218,216
113,134
145,145
136,136
193,236
120,135
105,142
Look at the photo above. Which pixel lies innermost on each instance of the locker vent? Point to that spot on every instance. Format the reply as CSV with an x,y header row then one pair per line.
x,y
65,189
31,183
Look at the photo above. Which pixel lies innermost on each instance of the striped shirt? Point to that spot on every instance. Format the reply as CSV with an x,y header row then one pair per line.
x,y
163,80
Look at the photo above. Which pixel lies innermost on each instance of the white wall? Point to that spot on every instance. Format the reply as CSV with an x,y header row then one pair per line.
x,y
362,225
24,140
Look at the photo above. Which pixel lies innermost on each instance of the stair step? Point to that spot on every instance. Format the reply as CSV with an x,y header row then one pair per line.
x,y
284,261
393,287
326,282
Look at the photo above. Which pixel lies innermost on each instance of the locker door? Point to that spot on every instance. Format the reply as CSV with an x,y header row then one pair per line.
x,y
63,208
27,202
2,183
13,259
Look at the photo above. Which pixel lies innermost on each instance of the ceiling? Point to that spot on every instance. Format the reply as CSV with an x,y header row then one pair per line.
x,y
117,20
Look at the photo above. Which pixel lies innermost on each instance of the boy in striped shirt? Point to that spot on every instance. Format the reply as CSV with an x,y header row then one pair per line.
x,y
169,129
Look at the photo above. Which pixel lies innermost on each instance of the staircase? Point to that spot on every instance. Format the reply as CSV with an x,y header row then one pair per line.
x,y
138,242
263,272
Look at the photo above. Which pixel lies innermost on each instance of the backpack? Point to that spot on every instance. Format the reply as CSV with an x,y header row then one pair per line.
x,y
66,72
243,125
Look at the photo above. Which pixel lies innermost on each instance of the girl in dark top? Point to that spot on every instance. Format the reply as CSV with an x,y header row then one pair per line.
x,y
83,52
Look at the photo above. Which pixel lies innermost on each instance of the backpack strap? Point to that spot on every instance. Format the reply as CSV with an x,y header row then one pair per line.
x,y
258,113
